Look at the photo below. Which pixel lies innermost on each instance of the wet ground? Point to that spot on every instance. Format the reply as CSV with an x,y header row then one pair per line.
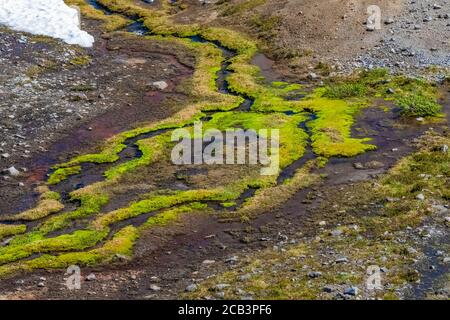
x,y
171,258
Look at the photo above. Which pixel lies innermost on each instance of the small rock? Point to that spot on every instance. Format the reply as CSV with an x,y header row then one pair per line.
x,y
390,91
358,165
220,295
91,277
314,274
244,277
160,85
444,148
328,289
41,284
221,286
208,262
351,291
312,76
5,155
374,165
336,232
154,287
420,197
389,21
420,119
191,288
341,260
232,259
12,171
437,6
322,223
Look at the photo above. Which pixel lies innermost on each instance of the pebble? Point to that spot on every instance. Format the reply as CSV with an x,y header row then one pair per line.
x,y
232,259
328,289
341,260
91,277
12,171
160,85
244,277
444,148
41,284
420,197
208,262
314,274
351,291
221,286
154,287
191,288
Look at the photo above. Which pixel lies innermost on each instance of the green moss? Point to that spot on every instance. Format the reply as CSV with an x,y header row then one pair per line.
x,y
7,230
62,174
345,91
80,60
418,105
172,215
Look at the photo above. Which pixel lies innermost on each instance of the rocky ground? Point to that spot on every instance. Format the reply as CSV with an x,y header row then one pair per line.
x,y
323,37
59,100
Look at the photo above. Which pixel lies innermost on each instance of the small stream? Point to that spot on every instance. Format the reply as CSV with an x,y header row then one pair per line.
x,y
92,173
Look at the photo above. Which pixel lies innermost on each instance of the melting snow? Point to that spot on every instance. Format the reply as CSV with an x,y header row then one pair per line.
x,y
45,17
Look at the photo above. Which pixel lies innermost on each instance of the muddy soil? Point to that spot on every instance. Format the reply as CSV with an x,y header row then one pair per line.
x,y
70,109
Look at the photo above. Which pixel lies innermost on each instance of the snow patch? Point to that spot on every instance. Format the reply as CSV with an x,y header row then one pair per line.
x,y
51,18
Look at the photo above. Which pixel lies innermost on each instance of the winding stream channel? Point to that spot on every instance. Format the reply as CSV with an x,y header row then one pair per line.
x,y
385,135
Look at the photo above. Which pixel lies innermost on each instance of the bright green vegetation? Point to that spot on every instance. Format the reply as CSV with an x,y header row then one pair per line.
x,y
328,112
62,174
418,105
365,240
7,230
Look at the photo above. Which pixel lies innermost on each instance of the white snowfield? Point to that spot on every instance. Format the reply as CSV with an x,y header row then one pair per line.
x,y
51,18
